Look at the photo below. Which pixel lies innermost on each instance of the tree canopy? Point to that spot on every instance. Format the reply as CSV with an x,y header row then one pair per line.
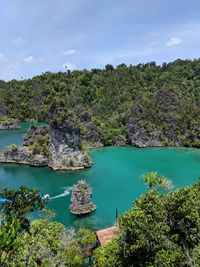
x,y
112,102
159,230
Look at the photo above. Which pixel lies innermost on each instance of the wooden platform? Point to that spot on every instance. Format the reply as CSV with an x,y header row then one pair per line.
x,y
106,234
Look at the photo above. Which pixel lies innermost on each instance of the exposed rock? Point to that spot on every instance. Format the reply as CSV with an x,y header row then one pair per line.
x,y
140,137
94,145
64,151
58,148
22,155
81,199
25,154
33,152
33,131
156,121
9,124
120,140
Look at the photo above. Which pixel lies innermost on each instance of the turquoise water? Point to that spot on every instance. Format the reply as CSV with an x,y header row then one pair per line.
x,y
115,177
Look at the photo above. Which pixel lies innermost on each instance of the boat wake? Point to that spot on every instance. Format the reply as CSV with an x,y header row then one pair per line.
x,y
65,193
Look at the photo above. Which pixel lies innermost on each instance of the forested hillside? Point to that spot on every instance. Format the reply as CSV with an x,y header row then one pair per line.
x,y
143,105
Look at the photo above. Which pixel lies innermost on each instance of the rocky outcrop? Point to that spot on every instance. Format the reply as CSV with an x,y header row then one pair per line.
x,y
22,155
56,147
140,137
156,121
32,150
120,140
9,124
81,199
33,132
65,151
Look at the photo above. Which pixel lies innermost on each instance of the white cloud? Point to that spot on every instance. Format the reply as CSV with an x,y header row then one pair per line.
x,y
69,52
29,59
69,65
2,57
174,41
19,40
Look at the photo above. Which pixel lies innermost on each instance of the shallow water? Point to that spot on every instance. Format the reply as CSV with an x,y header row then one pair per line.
x,y
115,177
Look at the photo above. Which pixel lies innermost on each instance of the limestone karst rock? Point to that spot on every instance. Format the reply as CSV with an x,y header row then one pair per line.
x,y
81,199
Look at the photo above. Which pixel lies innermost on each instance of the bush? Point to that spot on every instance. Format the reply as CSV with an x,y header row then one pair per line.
x,y
40,145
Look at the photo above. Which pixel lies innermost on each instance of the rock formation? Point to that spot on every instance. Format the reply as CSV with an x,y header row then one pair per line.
x,y
65,141
9,124
120,140
22,155
56,147
161,126
81,199
32,150
65,151
33,132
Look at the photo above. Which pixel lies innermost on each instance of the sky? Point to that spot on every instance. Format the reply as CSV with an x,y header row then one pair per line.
x,y
49,35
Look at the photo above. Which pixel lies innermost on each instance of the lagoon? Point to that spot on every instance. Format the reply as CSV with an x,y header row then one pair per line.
x,y
116,177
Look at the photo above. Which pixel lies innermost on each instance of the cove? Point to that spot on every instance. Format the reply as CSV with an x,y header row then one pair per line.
x,y
115,177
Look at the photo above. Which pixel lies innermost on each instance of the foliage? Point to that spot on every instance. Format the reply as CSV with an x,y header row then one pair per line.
x,y
40,145
73,255
40,242
23,201
155,180
157,100
108,255
44,245
5,120
9,230
9,148
84,149
86,237
160,230
50,244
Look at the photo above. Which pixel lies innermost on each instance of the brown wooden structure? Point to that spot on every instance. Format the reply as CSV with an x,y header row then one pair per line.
x,y
106,234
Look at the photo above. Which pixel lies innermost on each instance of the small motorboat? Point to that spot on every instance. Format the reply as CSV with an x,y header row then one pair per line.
x,y
45,197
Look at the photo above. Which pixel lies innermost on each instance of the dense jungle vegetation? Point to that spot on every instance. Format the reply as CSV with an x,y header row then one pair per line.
x,y
113,105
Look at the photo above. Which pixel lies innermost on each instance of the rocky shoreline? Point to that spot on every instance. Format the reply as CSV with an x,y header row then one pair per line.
x,y
62,151
45,146
9,125
64,144
22,155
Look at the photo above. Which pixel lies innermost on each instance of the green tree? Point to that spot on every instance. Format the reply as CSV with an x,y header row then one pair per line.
x,y
23,201
9,230
154,180
159,230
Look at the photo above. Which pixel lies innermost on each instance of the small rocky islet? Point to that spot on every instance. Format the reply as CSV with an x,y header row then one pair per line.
x,y
81,195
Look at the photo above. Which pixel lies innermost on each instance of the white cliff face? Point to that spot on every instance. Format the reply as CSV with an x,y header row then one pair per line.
x,y
64,150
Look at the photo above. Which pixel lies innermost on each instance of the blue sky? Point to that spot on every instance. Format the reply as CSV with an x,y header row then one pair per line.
x,y
46,35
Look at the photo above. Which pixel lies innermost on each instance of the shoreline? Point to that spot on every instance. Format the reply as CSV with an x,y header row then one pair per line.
x,y
74,169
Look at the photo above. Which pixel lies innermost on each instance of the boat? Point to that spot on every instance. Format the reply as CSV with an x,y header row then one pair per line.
x,y
45,197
